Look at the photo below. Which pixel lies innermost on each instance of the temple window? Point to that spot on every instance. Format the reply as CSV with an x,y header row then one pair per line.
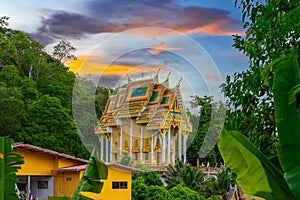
x,y
137,92
154,96
165,100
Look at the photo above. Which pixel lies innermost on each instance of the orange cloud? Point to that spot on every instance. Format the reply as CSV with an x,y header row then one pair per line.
x,y
85,65
161,48
216,28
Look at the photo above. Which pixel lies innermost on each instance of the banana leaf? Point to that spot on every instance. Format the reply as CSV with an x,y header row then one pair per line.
x,y
95,171
286,78
255,173
10,163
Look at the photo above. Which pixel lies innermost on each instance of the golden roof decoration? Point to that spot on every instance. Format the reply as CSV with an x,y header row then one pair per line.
x,y
149,102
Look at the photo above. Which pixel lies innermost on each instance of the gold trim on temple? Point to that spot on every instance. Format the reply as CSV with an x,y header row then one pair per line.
x,y
147,121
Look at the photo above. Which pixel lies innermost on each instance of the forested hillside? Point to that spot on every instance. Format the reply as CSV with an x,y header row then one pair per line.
x,y
36,95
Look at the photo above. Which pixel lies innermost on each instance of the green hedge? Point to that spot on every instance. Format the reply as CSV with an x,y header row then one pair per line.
x,y
58,198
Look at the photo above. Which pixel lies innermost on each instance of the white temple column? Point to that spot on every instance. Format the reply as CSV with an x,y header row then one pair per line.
x,y
110,148
184,148
169,146
141,144
163,152
106,149
121,143
180,145
101,147
130,138
152,147
174,149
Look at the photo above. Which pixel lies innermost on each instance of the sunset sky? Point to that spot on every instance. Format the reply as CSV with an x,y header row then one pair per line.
x,y
117,39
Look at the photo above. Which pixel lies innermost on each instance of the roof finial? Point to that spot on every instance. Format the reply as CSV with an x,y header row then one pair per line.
x,y
156,75
128,78
142,72
166,82
178,84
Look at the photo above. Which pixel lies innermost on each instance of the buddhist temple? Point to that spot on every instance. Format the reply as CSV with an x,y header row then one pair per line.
x,y
147,121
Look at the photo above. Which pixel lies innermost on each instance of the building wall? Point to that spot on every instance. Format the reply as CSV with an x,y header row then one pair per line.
x,y
62,162
39,166
36,163
65,183
107,192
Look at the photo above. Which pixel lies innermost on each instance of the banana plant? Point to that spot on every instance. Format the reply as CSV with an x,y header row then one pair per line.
x,y
10,163
95,171
256,174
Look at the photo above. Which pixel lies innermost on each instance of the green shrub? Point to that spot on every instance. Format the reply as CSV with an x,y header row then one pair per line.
x,y
58,198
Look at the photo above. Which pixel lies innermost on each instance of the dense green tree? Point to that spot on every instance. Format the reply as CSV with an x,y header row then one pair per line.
x,y
272,29
207,105
139,189
217,185
11,110
8,50
182,193
158,193
152,178
183,174
36,97
101,96
251,109
272,45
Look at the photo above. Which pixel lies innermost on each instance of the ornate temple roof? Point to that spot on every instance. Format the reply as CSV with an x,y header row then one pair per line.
x,y
148,102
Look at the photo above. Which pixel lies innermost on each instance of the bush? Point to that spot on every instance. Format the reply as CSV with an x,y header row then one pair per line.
x,y
183,193
139,191
58,198
158,193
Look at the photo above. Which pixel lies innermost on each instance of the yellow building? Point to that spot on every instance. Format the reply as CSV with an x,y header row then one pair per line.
x,y
49,173
118,183
147,121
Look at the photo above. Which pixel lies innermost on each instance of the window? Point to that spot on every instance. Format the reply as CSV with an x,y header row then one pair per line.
x,y
42,184
146,156
121,100
123,185
154,96
69,179
111,106
21,186
119,185
165,100
137,92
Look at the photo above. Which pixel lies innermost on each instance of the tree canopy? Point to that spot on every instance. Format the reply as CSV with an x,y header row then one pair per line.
x,y
36,95
272,45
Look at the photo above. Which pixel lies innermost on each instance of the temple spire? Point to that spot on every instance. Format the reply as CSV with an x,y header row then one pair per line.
x,y
178,84
166,81
156,75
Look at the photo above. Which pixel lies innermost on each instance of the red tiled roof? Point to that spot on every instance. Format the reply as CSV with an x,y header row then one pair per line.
x,y
113,165
47,151
71,169
123,167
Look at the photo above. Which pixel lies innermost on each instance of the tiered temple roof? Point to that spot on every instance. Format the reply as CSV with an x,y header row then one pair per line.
x,y
150,102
